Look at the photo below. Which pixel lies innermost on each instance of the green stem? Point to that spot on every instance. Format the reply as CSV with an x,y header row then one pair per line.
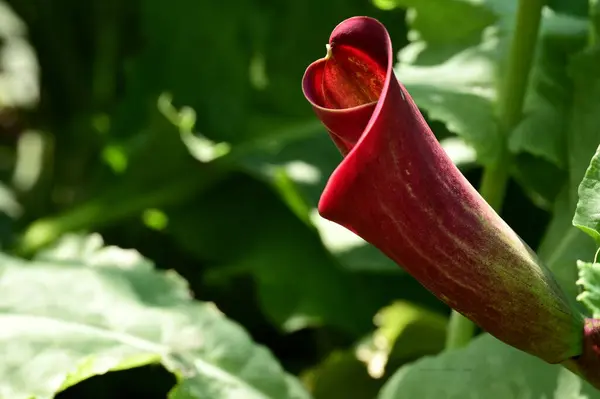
x,y
510,110
520,60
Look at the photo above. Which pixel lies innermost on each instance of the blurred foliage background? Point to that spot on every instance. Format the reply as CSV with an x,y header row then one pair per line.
x,y
179,129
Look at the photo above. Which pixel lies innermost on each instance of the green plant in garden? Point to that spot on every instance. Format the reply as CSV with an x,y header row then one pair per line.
x,y
179,130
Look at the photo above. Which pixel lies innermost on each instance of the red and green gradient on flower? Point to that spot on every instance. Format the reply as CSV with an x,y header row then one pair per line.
x,y
397,189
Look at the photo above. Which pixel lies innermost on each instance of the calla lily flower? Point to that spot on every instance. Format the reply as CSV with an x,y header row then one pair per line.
x,y
397,189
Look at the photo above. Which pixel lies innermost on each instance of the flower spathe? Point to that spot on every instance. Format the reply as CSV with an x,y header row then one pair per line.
x,y
397,189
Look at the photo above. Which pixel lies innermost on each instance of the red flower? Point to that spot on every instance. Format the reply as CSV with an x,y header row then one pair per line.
x,y
398,190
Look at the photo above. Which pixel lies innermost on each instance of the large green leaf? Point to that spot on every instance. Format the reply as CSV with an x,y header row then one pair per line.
x,y
540,140
583,134
564,244
587,214
80,310
450,26
452,68
542,132
486,369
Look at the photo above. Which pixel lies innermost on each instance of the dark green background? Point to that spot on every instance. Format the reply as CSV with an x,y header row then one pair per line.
x,y
239,236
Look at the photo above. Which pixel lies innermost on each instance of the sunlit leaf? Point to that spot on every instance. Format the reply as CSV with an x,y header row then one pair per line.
x,y
82,309
451,69
488,369
564,244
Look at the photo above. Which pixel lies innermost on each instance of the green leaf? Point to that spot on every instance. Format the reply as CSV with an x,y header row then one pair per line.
x,y
459,20
451,69
453,80
486,368
81,309
584,135
540,139
542,132
589,280
456,92
564,244
587,214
